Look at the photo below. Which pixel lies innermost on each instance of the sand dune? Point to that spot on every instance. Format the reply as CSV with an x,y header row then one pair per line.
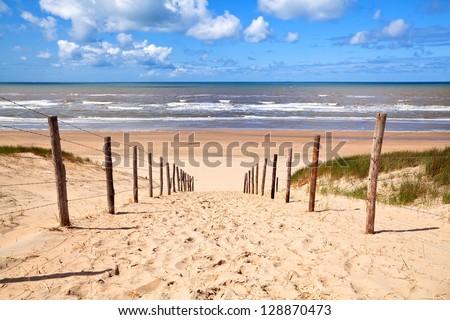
x,y
210,244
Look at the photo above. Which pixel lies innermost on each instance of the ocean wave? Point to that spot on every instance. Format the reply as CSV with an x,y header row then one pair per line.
x,y
360,96
97,102
125,108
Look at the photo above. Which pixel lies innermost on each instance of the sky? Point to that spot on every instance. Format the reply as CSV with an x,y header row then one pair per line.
x,y
224,40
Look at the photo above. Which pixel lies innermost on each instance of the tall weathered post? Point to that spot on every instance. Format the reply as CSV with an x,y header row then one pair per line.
x,y
161,176
288,178
109,175
313,177
274,176
373,172
150,174
60,172
135,176
263,181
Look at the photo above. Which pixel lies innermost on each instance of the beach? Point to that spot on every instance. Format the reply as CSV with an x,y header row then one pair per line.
x,y
216,242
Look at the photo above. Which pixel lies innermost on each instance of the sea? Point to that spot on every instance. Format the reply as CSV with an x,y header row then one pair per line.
x,y
225,105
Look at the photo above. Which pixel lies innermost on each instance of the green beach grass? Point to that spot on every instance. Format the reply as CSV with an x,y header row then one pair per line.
x,y
41,152
429,181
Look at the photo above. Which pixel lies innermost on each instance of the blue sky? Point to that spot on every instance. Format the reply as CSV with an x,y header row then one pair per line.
x,y
219,40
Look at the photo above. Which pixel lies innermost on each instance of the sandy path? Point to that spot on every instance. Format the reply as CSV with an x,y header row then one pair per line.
x,y
226,245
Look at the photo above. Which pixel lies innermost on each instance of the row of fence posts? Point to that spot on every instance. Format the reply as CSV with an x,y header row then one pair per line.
x,y
372,178
179,181
185,182
250,179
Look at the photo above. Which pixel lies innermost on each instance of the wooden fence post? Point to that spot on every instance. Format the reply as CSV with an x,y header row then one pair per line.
x,y
60,172
313,177
174,188
168,178
373,172
274,176
181,180
263,182
109,175
256,178
150,174
289,170
135,175
253,180
245,183
161,176
178,179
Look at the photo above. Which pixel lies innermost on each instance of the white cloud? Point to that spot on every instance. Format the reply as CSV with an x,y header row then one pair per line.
x,y
67,49
23,58
224,26
292,37
396,30
106,54
44,55
377,15
257,31
150,74
122,16
361,37
48,25
3,7
315,10
124,39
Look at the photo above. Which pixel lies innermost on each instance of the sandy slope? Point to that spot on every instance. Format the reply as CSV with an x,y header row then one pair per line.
x,y
223,245
215,243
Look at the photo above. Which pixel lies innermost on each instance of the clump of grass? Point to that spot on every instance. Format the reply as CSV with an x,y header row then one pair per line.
x,y
41,152
408,192
446,198
432,183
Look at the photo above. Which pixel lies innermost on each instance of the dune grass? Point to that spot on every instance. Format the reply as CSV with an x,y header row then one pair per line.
x,y
433,181
41,152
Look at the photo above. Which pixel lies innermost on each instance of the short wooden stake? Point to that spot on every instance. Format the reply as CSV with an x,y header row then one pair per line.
x,y
161,176
150,174
256,178
313,177
263,181
109,175
168,179
60,172
373,172
135,176
289,170
274,176
253,180
174,188
245,183
178,179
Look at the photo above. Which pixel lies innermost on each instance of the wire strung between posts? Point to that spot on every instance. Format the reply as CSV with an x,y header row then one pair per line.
x,y
28,209
25,184
24,130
